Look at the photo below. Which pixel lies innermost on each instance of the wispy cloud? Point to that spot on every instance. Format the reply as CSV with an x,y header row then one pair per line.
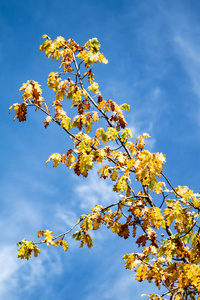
x,y
184,28
95,191
21,217
188,52
9,269
140,45
66,216
19,276
121,286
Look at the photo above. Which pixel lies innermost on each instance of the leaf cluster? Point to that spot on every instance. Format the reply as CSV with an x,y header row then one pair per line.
x,y
166,230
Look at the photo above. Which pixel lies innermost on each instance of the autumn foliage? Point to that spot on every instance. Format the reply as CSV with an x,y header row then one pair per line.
x,y
166,231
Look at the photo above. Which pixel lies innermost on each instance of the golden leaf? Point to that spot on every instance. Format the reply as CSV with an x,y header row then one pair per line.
x,y
47,120
64,245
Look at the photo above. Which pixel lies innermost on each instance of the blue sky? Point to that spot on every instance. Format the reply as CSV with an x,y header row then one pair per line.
x,y
153,50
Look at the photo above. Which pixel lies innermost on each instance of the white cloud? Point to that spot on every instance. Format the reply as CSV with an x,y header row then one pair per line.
x,y
157,92
119,286
184,42
188,52
122,288
36,271
67,216
19,219
18,276
9,268
150,142
95,191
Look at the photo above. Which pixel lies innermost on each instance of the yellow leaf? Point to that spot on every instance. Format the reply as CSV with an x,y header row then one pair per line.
x,y
115,227
56,158
131,261
26,249
158,187
95,117
86,239
94,87
64,245
104,171
141,272
47,120
65,122
156,217
113,176
96,225
41,233
48,237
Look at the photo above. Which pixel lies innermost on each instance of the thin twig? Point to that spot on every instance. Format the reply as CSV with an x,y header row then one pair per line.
x,y
170,185
63,234
57,122
95,104
170,291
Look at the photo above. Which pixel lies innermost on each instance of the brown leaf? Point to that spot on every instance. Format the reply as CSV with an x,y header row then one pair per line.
x,y
77,169
21,112
124,231
100,98
141,240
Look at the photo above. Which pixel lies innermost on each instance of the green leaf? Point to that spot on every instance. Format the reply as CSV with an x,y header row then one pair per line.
x,y
169,201
88,223
96,45
125,106
175,236
165,243
104,136
77,235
